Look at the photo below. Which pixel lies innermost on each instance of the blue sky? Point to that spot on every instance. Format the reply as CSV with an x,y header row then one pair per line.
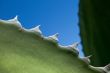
x,y
53,16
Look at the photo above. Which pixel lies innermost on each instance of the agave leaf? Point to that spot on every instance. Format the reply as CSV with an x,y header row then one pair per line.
x,y
26,52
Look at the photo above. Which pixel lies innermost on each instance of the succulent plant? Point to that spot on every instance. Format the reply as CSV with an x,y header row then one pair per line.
x,y
29,51
94,23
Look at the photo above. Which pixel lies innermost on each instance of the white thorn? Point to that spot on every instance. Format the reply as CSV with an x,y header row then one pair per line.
x,y
100,69
72,48
36,30
105,69
74,45
16,17
13,21
86,59
53,38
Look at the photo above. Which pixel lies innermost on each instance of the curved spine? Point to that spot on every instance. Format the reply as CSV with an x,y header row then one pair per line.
x,y
13,21
86,59
105,69
72,48
52,38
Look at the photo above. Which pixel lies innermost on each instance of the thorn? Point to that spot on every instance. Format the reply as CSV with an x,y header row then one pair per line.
x,y
75,45
15,19
86,59
72,48
36,30
100,69
53,38
107,68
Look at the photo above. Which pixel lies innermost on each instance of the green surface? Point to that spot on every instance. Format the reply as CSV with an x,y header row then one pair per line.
x,y
94,26
23,52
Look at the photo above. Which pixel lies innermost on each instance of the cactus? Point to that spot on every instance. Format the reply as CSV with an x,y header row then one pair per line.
x,y
94,30
29,51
